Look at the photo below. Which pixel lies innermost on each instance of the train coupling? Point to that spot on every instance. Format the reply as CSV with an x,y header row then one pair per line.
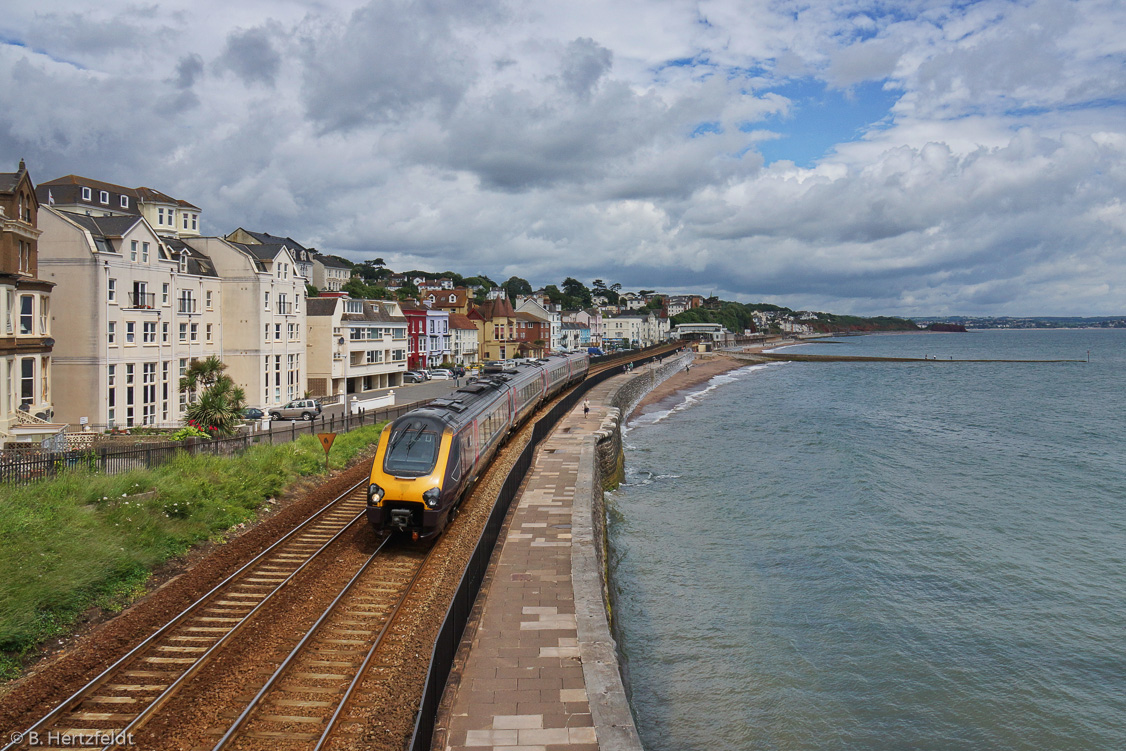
x,y
400,519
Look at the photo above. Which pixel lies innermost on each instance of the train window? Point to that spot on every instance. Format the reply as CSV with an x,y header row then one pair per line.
x,y
412,450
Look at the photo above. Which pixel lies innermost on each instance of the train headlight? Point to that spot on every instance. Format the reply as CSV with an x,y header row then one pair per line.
x,y
375,494
431,497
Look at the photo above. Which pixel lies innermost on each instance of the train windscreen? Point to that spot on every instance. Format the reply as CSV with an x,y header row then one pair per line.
x,y
412,449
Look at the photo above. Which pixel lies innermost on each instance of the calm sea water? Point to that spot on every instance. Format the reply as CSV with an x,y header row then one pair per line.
x,y
882,556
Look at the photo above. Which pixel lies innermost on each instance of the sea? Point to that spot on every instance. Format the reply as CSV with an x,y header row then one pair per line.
x,y
877,555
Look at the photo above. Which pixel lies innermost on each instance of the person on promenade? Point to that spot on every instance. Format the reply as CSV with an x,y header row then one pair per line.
x,y
586,407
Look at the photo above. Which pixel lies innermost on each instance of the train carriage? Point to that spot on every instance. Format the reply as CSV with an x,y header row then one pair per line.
x,y
427,459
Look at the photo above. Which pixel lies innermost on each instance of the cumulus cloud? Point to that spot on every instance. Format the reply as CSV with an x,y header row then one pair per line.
x,y
615,140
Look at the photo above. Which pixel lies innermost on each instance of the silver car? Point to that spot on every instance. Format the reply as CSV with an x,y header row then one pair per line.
x,y
306,409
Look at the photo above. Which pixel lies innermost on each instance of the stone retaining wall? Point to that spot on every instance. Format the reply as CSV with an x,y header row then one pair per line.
x,y
616,731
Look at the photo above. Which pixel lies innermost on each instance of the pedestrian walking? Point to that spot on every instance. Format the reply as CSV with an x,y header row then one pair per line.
x,y
586,407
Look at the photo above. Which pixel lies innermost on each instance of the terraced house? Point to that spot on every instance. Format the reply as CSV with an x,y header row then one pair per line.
x,y
138,311
263,311
26,405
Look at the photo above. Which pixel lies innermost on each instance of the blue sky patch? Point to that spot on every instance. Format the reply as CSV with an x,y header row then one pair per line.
x,y
821,118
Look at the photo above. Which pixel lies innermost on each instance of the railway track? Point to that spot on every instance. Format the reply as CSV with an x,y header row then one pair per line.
x,y
122,698
303,703
324,691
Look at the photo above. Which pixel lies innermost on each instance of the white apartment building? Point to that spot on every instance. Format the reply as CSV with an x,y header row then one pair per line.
x,y
464,340
136,313
635,330
329,274
355,345
263,312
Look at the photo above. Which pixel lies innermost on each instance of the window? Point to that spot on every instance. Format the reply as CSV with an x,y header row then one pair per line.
x,y
164,332
9,307
195,332
208,297
87,195
148,332
160,215
164,293
103,197
185,221
210,338
27,303
148,393
277,332
195,219
111,332
125,202
111,290
183,263
27,380
130,332
133,250
144,252
183,333
187,302
129,381
267,300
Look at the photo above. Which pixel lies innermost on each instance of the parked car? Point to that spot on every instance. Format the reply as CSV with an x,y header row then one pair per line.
x,y
413,377
305,409
441,374
492,366
253,413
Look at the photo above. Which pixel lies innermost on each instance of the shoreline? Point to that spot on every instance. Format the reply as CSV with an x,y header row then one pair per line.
x,y
704,368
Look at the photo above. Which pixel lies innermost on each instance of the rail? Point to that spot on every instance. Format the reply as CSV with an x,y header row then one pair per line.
x,y
71,704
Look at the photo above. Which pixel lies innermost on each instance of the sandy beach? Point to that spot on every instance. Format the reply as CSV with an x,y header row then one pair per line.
x,y
703,368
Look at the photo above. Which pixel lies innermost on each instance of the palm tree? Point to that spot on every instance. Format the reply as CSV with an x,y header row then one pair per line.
x,y
215,402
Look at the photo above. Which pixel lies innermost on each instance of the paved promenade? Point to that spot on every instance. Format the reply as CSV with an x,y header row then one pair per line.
x,y
542,674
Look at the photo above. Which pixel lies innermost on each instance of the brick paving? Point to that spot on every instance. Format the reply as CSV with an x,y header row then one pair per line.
x,y
523,686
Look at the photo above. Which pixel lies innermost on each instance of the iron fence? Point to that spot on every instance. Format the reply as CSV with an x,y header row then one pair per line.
x,y
23,466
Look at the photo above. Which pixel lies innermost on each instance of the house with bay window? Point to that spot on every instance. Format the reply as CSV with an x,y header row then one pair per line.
x,y
26,343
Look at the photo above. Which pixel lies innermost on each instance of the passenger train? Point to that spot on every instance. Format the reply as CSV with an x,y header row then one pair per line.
x,y
428,458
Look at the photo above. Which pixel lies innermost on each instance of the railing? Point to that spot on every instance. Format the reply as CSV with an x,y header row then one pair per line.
x,y
24,466
187,305
284,308
142,299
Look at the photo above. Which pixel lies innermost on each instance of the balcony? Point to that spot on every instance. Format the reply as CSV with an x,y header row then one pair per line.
x,y
284,308
142,300
187,305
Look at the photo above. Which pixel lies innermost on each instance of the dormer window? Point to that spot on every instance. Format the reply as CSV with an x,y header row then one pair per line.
x,y
87,194
103,196
183,263
125,202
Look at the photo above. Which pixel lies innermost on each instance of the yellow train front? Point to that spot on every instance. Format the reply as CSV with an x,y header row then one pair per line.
x,y
413,487
427,458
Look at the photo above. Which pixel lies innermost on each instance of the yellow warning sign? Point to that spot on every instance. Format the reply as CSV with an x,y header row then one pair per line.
x,y
326,440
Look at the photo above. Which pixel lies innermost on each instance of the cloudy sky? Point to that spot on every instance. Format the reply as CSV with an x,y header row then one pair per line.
x,y
903,157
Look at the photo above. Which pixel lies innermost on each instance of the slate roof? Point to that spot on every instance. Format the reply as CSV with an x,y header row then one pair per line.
x,y
332,261
320,306
199,263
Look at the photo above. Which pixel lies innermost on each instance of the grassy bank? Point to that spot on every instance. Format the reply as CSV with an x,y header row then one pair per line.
x,y
84,539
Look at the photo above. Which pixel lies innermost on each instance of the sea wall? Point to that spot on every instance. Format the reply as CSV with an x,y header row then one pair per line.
x,y
600,468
